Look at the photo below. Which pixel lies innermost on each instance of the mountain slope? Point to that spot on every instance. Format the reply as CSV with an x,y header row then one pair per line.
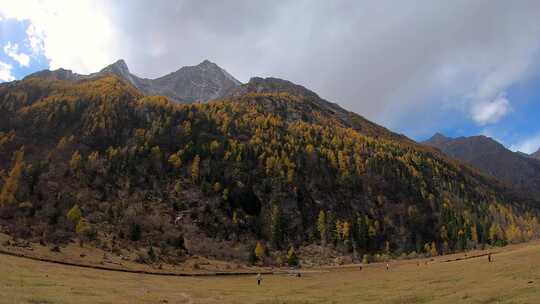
x,y
349,119
202,82
536,154
486,154
95,159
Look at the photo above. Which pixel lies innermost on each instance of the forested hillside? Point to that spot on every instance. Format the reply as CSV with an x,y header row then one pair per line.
x,y
519,170
96,161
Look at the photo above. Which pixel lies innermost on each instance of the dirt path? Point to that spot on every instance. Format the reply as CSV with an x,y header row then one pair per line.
x,y
205,274
176,274
468,257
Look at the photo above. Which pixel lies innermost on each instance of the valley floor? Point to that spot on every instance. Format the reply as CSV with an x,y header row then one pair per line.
x,y
513,277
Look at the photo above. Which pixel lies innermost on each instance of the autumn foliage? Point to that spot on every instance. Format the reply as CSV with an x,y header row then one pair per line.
x,y
273,167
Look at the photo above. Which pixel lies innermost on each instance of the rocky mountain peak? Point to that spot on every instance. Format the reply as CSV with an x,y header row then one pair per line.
x,y
438,139
207,64
119,66
202,82
120,69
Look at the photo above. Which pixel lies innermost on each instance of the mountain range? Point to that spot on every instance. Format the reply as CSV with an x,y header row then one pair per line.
x,y
101,158
518,169
202,82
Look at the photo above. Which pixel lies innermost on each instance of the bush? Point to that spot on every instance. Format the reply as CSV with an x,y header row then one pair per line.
x,y
365,259
74,214
260,251
135,232
152,254
292,258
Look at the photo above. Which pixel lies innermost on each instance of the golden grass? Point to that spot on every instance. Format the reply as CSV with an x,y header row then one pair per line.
x,y
513,277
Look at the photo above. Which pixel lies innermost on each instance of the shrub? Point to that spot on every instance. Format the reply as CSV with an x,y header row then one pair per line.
x,y
292,258
259,251
135,232
74,214
152,254
365,259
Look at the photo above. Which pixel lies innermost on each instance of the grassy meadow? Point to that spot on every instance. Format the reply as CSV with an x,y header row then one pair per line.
x,y
513,277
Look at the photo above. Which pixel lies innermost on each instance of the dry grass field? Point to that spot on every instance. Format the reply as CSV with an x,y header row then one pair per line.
x,y
513,277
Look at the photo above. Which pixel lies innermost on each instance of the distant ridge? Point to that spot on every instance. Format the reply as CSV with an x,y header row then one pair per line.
x,y
518,169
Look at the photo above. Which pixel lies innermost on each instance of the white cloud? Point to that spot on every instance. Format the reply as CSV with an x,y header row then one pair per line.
x,y
5,72
528,145
70,34
35,38
12,50
488,112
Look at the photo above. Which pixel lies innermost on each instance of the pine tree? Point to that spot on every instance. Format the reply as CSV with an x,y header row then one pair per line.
x,y
75,162
195,168
433,250
175,161
259,251
362,233
83,229
11,184
152,254
292,258
321,227
277,228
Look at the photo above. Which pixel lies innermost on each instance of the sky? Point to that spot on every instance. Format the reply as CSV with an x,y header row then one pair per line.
x,y
461,67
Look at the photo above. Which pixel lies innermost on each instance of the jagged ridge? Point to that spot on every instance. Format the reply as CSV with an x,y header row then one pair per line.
x,y
202,82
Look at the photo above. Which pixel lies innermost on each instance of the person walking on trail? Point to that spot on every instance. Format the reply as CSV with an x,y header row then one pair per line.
x,y
489,257
259,279
387,266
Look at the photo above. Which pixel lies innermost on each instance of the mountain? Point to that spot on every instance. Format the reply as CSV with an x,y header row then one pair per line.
x,y
536,154
276,86
203,82
517,169
96,160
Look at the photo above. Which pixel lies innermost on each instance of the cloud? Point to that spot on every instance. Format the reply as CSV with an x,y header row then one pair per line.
x,y
70,34
528,145
5,72
12,50
387,60
35,38
488,112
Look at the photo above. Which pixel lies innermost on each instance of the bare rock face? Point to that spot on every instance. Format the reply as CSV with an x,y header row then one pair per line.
x,y
203,82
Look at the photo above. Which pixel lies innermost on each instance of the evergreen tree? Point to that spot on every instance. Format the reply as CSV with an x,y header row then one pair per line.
x,y
11,183
321,227
260,252
75,162
278,227
292,258
195,171
83,230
